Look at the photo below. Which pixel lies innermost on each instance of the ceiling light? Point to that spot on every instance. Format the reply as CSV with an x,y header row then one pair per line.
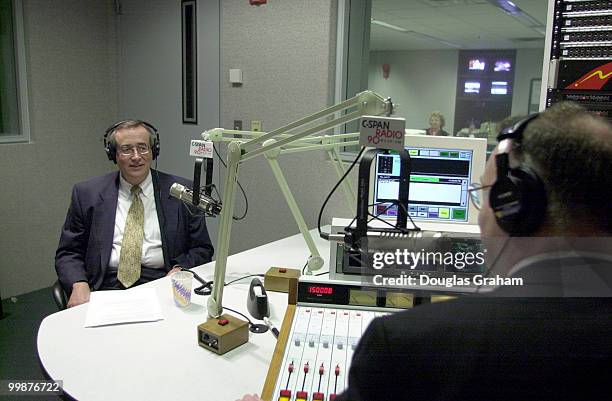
x,y
514,11
414,33
390,26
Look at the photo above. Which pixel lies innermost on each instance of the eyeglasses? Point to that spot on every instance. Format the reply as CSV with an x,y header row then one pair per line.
x,y
477,194
128,150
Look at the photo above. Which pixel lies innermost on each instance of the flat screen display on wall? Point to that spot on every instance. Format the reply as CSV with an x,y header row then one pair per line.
x,y
502,66
471,87
499,88
476,64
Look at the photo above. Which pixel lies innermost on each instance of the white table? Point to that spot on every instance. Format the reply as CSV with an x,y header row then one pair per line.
x,y
162,360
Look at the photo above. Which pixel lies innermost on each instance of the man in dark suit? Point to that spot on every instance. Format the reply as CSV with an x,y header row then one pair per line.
x,y
546,187
123,228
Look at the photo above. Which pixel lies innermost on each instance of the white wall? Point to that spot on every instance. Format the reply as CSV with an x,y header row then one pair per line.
x,y
419,82
528,66
72,94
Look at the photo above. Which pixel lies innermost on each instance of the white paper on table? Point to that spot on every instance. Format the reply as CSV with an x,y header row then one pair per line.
x,y
127,306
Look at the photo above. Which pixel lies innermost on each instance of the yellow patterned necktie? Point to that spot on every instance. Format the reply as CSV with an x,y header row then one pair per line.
x,y
131,247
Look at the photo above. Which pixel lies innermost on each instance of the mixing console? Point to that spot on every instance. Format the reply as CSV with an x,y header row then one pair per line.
x,y
319,352
320,333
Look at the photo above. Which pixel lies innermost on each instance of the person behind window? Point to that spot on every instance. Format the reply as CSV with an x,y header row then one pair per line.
x,y
436,125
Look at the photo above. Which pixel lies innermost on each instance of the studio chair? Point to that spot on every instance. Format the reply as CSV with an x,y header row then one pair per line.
x,y
59,296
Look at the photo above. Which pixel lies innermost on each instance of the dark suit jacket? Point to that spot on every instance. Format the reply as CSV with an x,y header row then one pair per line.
x,y
491,348
87,235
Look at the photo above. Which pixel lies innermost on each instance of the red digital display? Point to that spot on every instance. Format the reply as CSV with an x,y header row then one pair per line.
x,y
320,290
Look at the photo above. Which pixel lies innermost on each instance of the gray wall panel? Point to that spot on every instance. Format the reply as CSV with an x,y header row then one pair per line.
x,y
286,50
70,47
150,78
418,97
528,67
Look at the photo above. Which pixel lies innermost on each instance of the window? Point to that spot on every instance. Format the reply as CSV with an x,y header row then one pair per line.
x,y
14,121
416,52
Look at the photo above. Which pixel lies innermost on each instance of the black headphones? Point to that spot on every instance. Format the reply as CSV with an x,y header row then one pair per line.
x,y
109,147
518,196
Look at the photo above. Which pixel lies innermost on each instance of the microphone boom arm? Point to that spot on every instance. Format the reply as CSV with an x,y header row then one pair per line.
x,y
364,103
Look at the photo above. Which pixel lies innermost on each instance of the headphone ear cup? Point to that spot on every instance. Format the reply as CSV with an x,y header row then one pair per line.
x,y
110,150
155,148
519,201
505,200
533,207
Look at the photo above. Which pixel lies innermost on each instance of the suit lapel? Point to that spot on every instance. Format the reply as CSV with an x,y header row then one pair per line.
x,y
166,213
104,219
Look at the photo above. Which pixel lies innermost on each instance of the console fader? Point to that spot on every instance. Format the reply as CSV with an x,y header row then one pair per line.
x,y
319,352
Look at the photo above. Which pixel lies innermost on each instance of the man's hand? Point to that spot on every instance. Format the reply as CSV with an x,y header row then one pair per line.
x,y
249,397
80,294
175,269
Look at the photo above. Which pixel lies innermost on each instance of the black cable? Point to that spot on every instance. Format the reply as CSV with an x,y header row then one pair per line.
x,y
195,275
403,230
238,313
322,234
217,191
241,278
246,199
305,264
375,217
355,259
206,287
251,324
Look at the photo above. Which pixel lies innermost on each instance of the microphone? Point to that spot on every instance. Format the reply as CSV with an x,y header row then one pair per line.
x,y
184,194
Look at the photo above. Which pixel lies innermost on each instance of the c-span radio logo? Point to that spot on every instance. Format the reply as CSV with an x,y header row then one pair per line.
x,y
594,79
382,132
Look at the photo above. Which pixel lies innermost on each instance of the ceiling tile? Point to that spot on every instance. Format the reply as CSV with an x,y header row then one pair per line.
x,y
471,23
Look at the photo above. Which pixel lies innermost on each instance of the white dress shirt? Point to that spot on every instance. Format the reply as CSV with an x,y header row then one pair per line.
x,y
152,255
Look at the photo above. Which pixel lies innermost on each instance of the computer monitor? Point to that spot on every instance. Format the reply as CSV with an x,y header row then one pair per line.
x,y
442,168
